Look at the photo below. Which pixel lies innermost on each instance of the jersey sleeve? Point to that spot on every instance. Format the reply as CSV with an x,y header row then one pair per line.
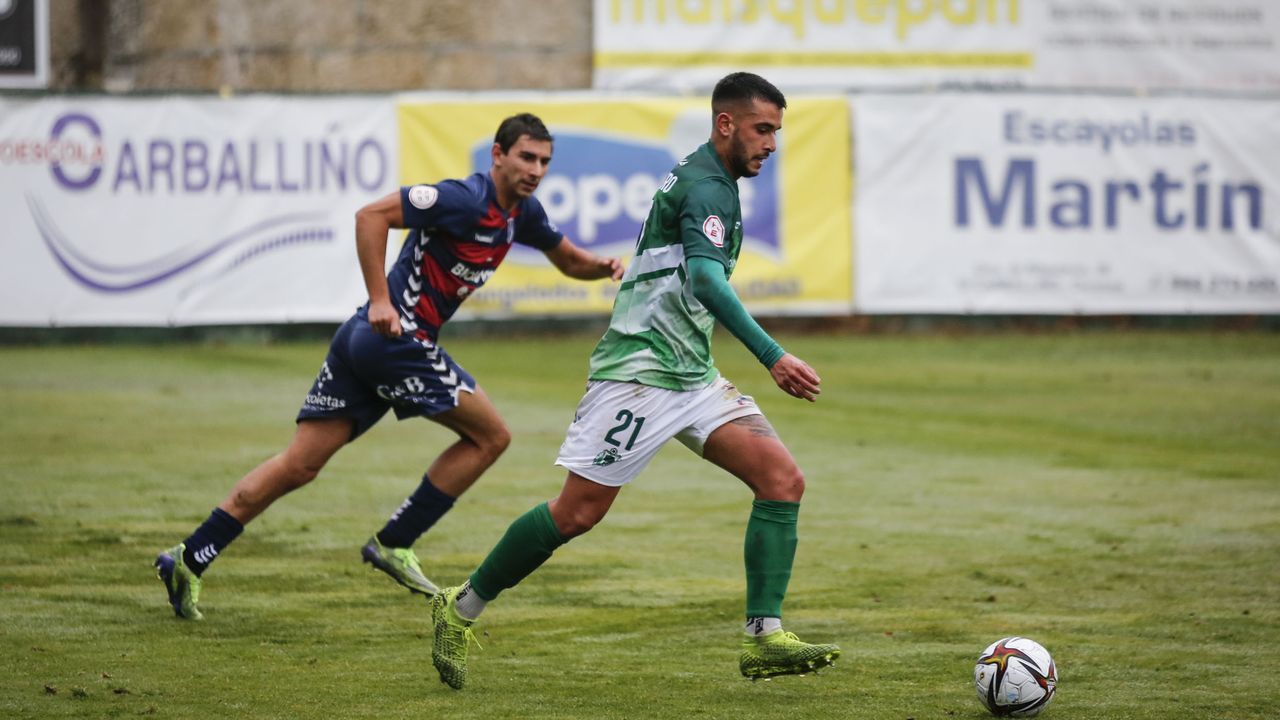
x,y
536,229
442,204
713,290
707,210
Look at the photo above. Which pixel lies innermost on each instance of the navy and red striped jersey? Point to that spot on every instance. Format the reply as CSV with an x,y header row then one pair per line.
x,y
458,236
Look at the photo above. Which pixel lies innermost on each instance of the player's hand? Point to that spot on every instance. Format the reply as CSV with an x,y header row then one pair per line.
x,y
796,378
384,318
611,267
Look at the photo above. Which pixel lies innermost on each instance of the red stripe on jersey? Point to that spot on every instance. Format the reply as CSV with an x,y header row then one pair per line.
x,y
427,312
480,254
437,277
442,282
494,218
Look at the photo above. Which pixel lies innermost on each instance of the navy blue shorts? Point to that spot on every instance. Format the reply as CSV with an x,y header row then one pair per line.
x,y
366,374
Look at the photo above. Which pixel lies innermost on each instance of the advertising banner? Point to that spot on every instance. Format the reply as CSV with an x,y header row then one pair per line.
x,y
1054,204
186,211
835,45
610,156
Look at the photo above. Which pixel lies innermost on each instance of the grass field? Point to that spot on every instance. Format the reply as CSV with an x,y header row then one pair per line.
x,y
1115,496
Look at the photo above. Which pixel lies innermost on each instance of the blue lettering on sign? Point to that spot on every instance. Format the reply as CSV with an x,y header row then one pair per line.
x,y
599,189
80,159
55,136
1018,128
1172,202
166,165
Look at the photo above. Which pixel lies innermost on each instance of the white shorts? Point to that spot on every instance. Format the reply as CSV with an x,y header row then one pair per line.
x,y
618,427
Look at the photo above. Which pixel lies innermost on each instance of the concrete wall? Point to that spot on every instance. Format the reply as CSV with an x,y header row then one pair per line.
x,y
319,45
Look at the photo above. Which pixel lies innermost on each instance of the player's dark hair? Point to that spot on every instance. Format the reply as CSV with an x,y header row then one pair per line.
x,y
523,124
742,87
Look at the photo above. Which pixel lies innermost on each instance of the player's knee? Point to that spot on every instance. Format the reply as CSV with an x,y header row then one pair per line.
x,y
578,521
500,441
493,442
784,483
797,484
299,472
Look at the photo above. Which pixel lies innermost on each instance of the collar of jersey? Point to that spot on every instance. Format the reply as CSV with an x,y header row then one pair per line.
x,y
491,197
715,157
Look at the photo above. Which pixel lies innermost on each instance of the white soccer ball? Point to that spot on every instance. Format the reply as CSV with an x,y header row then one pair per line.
x,y
1015,676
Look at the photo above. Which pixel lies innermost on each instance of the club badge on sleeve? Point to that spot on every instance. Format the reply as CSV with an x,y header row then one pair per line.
x,y
714,230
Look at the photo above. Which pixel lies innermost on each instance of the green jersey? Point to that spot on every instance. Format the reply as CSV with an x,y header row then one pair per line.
x,y
660,334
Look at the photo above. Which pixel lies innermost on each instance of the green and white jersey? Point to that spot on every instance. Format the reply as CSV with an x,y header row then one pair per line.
x,y
660,334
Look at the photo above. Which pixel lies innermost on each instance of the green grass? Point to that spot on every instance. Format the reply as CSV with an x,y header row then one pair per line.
x,y
1115,496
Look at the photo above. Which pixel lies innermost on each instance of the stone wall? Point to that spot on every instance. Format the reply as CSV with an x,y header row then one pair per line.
x,y
319,45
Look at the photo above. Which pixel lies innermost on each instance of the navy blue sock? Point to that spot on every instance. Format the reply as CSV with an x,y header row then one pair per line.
x,y
423,508
209,539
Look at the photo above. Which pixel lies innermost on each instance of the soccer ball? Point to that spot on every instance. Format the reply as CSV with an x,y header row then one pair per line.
x,y
1015,676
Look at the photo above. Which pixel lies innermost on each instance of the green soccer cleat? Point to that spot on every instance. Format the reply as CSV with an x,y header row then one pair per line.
x,y
782,653
182,584
401,564
452,635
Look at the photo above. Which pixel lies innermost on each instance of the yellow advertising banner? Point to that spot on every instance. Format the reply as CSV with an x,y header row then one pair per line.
x,y
816,45
610,156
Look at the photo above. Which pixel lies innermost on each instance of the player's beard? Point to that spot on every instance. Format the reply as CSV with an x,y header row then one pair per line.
x,y
740,159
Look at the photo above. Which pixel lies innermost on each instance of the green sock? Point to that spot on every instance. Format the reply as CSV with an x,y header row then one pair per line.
x,y
769,551
527,544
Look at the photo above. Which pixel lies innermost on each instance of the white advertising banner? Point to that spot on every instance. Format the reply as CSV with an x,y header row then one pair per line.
x,y
1056,204
830,45
187,211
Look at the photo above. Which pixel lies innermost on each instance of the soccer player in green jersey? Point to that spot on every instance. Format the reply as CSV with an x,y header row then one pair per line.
x,y
652,378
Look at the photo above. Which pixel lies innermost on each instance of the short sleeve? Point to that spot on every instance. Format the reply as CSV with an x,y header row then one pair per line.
x,y
536,229
706,219
428,206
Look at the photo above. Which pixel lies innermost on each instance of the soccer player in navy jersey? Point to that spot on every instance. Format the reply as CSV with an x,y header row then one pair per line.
x,y
386,356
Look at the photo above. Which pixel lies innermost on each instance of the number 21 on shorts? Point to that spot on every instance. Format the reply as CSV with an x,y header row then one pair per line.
x,y
627,420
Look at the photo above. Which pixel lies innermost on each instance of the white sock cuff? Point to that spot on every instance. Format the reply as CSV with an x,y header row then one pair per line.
x,y
763,625
467,603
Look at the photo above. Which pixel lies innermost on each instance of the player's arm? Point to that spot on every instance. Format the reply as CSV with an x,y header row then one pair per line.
x,y
712,289
580,264
373,222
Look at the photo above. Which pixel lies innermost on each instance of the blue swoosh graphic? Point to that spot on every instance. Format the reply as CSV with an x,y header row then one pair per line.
x,y
124,278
